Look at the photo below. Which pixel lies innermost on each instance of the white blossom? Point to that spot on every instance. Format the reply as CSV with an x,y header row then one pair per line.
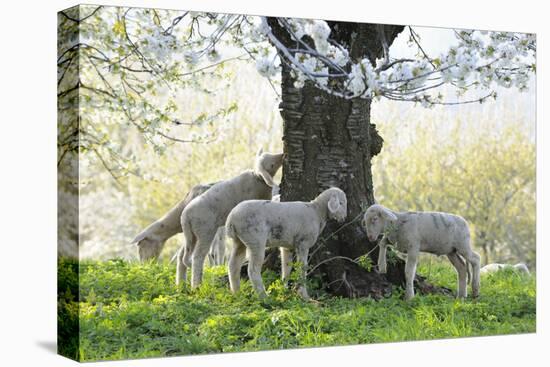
x,y
191,58
266,66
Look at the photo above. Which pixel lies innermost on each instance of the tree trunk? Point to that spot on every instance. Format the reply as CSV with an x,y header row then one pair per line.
x,y
330,141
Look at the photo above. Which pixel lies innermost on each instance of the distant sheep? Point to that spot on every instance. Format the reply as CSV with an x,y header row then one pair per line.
x,y
433,232
151,240
256,224
202,217
493,268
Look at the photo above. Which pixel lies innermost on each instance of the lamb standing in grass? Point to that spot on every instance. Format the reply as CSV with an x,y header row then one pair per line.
x,y
202,217
493,268
151,240
256,224
433,232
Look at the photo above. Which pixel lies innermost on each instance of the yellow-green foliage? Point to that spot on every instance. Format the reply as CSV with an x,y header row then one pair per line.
x,y
130,310
479,168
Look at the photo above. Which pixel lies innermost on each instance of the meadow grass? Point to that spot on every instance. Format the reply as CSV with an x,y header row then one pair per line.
x,y
131,310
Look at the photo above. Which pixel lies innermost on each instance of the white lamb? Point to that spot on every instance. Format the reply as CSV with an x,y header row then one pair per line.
x,y
151,240
433,232
256,224
201,218
493,268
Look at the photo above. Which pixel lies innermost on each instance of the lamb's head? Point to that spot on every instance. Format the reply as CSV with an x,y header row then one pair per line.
x,y
267,165
376,219
148,245
337,204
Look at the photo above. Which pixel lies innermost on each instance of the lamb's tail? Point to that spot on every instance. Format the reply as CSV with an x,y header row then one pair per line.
x,y
229,230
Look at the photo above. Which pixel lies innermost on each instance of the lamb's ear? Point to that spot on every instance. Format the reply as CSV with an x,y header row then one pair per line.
x,y
260,151
260,170
333,204
388,215
140,237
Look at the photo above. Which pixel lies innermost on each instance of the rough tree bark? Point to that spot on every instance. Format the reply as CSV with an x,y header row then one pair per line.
x,y
330,141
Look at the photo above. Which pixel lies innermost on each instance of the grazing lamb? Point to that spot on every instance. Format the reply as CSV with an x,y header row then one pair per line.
x,y
201,218
254,225
436,233
151,240
493,268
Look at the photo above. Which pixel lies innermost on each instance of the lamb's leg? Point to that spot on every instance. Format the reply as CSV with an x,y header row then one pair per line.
x,y
255,262
215,256
301,256
182,258
236,259
286,268
474,259
382,267
188,248
220,253
211,259
182,263
410,272
462,271
199,255
181,269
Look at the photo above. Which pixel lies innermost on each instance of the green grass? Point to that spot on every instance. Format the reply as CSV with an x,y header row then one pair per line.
x,y
130,310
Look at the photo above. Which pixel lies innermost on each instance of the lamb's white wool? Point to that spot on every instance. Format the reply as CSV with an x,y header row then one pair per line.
x,y
254,225
493,268
151,240
433,232
202,217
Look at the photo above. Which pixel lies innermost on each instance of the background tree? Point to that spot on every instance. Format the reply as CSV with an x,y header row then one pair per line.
x,y
485,171
133,62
